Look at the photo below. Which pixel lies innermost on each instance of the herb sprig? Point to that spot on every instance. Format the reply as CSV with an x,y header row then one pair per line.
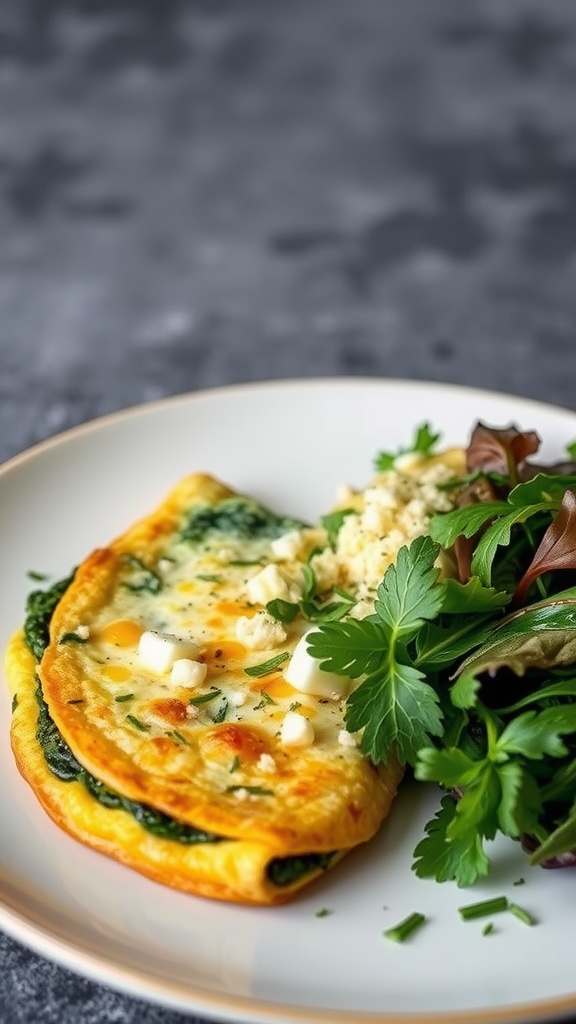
x,y
472,681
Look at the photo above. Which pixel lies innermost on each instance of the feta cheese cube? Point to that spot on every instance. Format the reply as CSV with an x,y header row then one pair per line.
x,y
158,651
296,730
303,672
186,672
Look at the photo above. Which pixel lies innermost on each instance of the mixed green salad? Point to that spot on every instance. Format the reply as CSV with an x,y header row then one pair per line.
x,y
471,680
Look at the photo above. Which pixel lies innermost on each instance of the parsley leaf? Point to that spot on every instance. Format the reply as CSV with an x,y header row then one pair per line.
x,y
423,443
397,710
462,859
394,705
408,594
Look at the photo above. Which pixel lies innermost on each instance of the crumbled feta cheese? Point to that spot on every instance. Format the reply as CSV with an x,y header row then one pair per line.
x,y
347,739
241,793
186,672
237,698
296,730
82,632
326,566
288,546
260,632
158,651
303,672
395,509
271,583
266,763
345,494
407,461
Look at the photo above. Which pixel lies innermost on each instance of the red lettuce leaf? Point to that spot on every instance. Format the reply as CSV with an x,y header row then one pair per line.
x,y
500,450
557,549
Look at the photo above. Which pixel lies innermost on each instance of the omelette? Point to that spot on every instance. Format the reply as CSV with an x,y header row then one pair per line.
x,y
165,711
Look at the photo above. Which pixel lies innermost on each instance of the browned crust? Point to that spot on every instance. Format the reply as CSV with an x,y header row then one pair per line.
x,y
230,870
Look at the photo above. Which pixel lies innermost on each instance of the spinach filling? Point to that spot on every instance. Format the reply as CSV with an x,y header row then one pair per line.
x,y
241,518
285,870
40,606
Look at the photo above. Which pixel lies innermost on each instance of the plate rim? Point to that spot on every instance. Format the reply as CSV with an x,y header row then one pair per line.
x,y
236,1008
135,409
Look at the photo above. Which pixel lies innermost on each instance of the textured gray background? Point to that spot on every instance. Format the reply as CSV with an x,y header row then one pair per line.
x,y
196,192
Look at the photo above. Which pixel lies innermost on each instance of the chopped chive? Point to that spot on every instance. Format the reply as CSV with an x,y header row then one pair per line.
x,y
14,702
485,907
221,713
295,705
522,914
266,699
122,697
401,931
204,698
33,575
267,666
323,912
246,561
76,700
179,737
235,764
253,790
209,577
519,881
488,928
137,723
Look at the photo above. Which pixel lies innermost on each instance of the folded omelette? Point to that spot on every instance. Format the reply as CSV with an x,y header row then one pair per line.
x,y
164,710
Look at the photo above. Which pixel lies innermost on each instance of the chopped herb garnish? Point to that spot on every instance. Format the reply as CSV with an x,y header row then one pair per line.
x,y
423,443
488,928
323,912
252,790
137,723
519,881
267,666
209,577
282,611
295,705
333,522
522,914
39,576
14,702
147,581
245,561
76,700
266,699
179,737
400,932
204,698
123,696
235,765
484,908
221,713
310,582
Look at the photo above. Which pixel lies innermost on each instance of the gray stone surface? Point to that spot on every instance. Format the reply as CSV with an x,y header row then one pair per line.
x,y
196,192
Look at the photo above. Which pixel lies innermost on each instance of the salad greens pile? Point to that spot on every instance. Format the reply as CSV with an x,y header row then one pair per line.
x,y
471,681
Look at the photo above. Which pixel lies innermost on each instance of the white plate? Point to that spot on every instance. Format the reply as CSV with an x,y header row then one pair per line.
x,y
290,444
